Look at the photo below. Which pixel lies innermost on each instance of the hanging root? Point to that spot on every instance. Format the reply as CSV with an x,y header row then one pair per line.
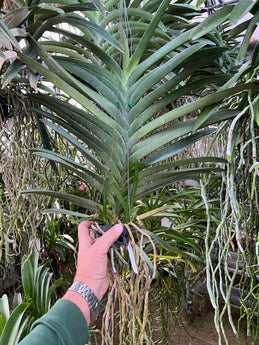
x,y
126,316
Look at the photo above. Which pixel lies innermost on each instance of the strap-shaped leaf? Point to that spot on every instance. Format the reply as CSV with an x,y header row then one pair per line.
x,y
65,85
64,212
86,174
87,153
176,147
158,139
159,98
111,100
85,6
240,10
249,32
79,21
104,146
82,202
147,35
179,163
149,80
212,21
100,53
68,111
14,18
7,38
15,325
189,108
161,180
106,156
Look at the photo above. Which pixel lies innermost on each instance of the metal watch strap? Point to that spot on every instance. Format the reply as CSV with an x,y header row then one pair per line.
x,y
86,292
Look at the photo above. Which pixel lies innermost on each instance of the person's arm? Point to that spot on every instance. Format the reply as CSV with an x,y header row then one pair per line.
x,y
66,322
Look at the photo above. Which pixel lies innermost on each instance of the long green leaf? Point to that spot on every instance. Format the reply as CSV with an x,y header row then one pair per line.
x,y
107,156
149,80
159,139
63,211
162,180
147,35
82,202
179,163
28,276
97,51
7,38
249,32
15,325
240,10
61,78
15,17
70,113
177,147
212,21
79,170
189,108
162,96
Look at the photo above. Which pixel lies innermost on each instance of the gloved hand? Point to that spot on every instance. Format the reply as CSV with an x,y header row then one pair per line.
x,y
92,263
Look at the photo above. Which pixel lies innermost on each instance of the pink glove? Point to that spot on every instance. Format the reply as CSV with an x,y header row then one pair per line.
x,y
92,263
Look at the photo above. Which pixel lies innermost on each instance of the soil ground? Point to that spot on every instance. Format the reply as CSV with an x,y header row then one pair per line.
x,y
198,328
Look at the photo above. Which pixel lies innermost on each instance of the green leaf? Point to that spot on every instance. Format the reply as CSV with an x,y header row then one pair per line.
x,y
156,181
15,325
147,35
157,239
17,300
177,147
45,138
29,267
82,202
99,6
160,138
15,17
4,308
249,32
240,10
95,28
80,170
64,212
7,38
150,79
189,108
211,22
79,7
199,2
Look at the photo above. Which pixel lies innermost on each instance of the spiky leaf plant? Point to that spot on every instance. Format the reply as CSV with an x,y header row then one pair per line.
x,y
119,83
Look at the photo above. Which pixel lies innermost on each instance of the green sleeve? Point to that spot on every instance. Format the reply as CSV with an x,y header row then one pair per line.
x,y
64,324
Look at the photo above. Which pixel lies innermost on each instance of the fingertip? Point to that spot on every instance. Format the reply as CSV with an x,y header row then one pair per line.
x,y
109,237
118,228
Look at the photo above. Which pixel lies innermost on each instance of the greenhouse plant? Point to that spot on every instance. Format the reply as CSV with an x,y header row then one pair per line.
x,y
122,71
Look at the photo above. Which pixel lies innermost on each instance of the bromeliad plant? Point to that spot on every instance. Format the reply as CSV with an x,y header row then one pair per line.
x,y
121,72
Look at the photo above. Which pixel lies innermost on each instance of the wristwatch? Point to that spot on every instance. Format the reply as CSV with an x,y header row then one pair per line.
x,y
86,292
